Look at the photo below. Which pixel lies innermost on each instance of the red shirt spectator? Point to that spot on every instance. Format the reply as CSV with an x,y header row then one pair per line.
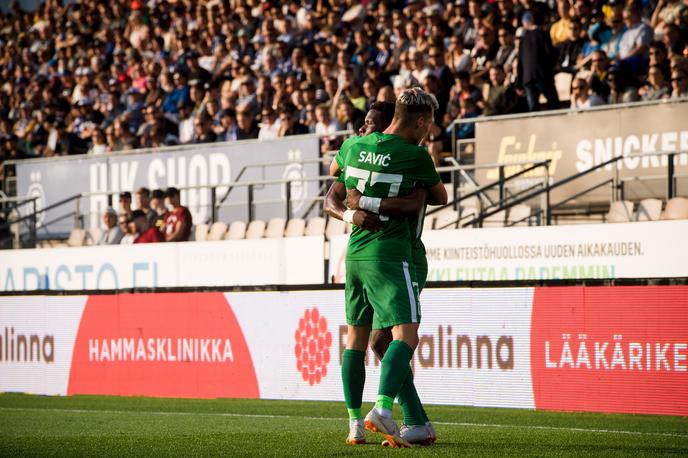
x,y
178,221
152,235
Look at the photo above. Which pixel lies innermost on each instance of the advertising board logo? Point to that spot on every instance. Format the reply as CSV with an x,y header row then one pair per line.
x,y
295,173
36,190
312,346
168,344
617,349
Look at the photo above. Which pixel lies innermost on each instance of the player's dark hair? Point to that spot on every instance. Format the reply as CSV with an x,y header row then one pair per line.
x,y
386,110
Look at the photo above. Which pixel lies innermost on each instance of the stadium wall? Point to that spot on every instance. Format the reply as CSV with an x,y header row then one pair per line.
x,y
578,348
595,251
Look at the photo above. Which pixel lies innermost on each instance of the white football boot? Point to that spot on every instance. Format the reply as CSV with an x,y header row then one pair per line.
x,y
356,433
416,434
386,426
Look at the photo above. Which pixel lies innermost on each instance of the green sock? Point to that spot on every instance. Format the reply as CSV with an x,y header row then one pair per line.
x,y
394,370
410,402
353,379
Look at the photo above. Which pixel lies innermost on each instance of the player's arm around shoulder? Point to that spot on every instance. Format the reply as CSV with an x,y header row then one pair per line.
x,y
428,177
404,206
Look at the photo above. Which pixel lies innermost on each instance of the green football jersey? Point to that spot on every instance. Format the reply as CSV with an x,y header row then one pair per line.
x,y
383,165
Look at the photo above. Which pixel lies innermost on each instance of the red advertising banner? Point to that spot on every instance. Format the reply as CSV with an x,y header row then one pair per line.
x,y
611,349
167,345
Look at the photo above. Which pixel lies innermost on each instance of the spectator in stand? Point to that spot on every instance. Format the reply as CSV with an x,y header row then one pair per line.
x,y
507,52
458,58
599,70
679,84
269,126
656,87
581,97
536,61
186,122
560,30
227,130
635,42
112,234
463,89
127,227
659,58
671,36
180,93
145,232
125,203
289,122
157,204
611,39
570,50
203,129
468,111
143,203
620,91
178,219
501,97
140,74
325,126
246,126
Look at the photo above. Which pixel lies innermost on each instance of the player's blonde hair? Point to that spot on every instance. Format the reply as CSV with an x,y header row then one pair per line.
x,y
414,102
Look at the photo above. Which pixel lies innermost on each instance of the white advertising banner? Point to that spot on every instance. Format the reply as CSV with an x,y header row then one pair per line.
x,y
224,263
629,250
552,348
477,341
37,336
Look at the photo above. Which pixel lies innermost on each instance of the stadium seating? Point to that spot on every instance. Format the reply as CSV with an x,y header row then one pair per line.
x,y
335,227
296,227
316,226
217,231
200,232
255,230
275,228
76,238
92,236
518,215
236,231
676,208
446,219
495,220
648,210
620,211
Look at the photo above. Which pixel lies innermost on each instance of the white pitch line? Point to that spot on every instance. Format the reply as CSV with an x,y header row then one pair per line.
x,y
445,423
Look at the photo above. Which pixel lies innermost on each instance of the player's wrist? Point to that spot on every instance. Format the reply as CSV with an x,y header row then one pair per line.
x,y
348,216
371,204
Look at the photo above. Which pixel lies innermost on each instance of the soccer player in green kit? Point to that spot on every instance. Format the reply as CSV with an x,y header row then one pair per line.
x,y
417,428
381,278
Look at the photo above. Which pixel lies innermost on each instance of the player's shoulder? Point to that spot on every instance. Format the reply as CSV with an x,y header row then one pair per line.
x,y
370,139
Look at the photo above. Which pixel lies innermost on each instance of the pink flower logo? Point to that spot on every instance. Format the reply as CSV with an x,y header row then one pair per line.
x,y
312,346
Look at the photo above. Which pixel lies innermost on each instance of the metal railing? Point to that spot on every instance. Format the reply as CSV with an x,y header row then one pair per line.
x,y
545,188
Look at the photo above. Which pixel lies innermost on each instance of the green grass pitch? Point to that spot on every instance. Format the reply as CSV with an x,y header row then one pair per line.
x,y
118,426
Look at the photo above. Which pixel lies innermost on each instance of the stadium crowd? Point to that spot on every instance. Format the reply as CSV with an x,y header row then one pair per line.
x,y
92,77
159,217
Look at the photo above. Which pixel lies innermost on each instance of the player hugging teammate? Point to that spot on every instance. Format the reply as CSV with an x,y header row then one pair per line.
x,y
387,179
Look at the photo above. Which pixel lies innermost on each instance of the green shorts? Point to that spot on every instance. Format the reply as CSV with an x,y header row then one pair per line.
x,y
420,264
386,290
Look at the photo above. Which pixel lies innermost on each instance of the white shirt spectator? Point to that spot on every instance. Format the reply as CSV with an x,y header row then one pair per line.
x,y
639,34
186,130
269,131
112,236
322,129
128,239
592,101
